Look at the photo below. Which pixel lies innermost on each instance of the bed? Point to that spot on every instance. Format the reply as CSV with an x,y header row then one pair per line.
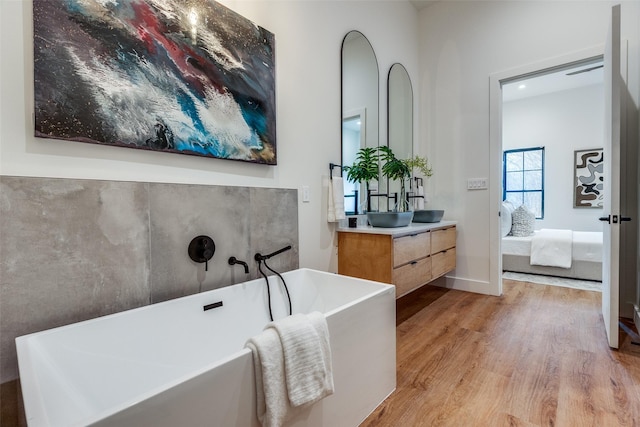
x,y
585,253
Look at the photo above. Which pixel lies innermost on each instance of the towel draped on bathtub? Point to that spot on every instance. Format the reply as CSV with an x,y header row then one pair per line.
x,y
292,360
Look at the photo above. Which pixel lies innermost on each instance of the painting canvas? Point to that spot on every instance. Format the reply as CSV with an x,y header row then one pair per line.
x,y
190,77
589,184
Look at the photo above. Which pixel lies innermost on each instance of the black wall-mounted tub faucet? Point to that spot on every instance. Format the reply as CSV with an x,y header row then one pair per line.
x,y
233,260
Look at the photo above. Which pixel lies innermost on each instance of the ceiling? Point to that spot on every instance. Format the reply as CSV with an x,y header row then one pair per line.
x,y
587,74
421,4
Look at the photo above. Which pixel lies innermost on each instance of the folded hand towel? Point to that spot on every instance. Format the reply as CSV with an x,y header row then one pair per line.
x,y
552,248
292,361
335,203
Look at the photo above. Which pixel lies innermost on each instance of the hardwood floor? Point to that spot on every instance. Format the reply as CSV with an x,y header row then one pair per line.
x,y
537,356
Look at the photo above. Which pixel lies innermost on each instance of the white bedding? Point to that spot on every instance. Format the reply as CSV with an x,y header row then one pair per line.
x,y
586,246
552,248
520,246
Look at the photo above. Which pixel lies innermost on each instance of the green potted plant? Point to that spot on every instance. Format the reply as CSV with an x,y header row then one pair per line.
x,y
397,170
420,163
364,169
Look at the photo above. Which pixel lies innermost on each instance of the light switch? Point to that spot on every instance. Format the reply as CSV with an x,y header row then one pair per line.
x,y
477,184
306,197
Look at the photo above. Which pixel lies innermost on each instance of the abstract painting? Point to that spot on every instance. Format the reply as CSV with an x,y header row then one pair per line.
x,y
181,76
589,184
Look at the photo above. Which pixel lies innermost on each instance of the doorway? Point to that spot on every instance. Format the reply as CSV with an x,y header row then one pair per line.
x,y
499,84
619,176
552,122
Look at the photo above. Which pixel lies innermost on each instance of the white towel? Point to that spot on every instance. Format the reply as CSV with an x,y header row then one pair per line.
x,y
272,403
292,360
552,248
307,357
335,204
420,200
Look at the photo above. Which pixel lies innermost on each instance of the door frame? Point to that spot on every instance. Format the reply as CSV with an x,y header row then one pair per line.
x,y
496,80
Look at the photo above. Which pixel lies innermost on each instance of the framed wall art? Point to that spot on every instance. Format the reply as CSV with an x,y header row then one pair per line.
x,y
589,176
189,77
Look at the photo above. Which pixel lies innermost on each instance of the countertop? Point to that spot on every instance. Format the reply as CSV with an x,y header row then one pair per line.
x,y
413,228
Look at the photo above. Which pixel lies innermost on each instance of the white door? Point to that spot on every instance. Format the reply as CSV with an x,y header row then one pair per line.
x,y
611,211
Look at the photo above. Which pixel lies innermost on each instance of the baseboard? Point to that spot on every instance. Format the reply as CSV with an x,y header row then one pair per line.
x,y
467,285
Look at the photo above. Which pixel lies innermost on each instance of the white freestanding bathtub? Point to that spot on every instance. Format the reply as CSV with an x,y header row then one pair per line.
x,y
176,364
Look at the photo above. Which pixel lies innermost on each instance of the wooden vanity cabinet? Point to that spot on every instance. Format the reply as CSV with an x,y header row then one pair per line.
x,y
407,261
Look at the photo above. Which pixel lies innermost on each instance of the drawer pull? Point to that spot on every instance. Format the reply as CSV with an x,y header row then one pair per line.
x,y
413,262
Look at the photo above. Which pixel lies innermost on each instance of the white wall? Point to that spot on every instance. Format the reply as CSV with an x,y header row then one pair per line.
x,y
462,43
561,122
308,40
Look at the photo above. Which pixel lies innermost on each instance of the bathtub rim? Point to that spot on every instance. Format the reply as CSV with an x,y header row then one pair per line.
x,y
28,376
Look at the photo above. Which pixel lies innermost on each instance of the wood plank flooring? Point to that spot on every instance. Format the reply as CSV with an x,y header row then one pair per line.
x,y
537,356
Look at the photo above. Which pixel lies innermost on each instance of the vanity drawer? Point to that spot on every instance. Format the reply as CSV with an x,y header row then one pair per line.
x,y
443,239
443,262
410,248
412,275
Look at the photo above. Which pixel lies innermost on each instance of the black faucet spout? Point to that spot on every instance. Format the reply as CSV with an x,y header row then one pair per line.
x,y
260,257
233,260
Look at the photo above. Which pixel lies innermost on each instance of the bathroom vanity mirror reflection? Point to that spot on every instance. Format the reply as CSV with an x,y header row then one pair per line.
x,y
400,116
360,106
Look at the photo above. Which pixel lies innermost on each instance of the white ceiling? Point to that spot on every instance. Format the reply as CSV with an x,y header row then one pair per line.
x,y
421,4
553,82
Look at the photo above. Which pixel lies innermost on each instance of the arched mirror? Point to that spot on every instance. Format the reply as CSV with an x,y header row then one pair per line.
x,y
400,116
360,106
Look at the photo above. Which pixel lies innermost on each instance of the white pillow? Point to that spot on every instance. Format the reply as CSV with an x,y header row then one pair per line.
x,y
524,222
506,218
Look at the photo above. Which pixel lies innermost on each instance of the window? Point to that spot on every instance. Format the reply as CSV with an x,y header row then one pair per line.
x,y
523,178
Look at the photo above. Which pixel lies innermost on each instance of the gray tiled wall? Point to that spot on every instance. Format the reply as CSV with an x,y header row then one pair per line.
x,y
71,249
